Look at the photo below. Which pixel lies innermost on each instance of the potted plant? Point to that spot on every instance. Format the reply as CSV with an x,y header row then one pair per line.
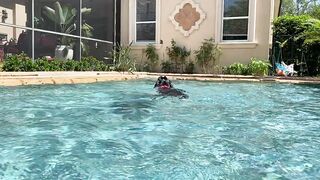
x,y
63,18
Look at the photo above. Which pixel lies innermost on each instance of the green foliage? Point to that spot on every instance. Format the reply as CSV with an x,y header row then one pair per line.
x,y
92,64
178,55
312,34
152,56
207,54
122,59
258,67
24,64
315,12
290,27
288,7
237,69
18,63
190,68
62,18
167,67
146,67
297,36
299,7
311,48
42,65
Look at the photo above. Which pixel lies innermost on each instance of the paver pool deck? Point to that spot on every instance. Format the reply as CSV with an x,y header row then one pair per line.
x,y
42,78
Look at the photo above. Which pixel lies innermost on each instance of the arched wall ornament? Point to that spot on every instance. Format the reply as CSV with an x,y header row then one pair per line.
x,y
187,17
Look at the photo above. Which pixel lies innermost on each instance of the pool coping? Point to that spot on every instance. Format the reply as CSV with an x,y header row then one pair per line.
x,y
47,78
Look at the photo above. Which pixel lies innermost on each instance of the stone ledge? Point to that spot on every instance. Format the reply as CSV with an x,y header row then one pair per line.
x,y
51,78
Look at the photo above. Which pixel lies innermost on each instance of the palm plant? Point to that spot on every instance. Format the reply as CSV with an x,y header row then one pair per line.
x,y
63,18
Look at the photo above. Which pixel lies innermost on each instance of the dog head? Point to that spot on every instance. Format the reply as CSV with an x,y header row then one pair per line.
x,y
163,82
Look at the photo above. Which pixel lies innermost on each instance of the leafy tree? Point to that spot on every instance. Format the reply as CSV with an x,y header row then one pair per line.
x,y
315,12
300,7
299,39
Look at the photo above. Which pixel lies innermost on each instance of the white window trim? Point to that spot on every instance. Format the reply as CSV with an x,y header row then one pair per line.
x,y
251,24
132,24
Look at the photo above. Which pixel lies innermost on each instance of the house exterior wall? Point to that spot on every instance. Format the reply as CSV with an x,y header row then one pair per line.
x,y
16,16
231,51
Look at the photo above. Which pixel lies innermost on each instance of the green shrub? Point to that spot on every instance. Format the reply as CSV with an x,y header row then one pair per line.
x,y
152,56
92,64
70,65
178,55
237,69
18,63
23,63
189,68
56,65
207,54
42,64
312,34
167,67
290,26
123,60
258,67
146,67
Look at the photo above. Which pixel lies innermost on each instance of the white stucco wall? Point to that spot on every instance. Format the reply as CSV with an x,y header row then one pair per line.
x,y
231,52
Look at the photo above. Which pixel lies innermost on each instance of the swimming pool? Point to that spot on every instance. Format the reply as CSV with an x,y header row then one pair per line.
x,y
123,130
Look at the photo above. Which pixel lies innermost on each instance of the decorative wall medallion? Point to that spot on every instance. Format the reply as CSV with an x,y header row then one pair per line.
x,y
187,17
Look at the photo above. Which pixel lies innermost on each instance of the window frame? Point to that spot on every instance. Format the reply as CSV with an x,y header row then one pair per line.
x,y
220,22
133,24
78,37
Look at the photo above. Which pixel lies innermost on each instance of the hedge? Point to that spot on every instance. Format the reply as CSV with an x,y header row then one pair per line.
x,y
22,63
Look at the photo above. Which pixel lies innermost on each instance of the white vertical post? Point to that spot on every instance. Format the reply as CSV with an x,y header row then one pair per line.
x,y
80,33
32,37
115,22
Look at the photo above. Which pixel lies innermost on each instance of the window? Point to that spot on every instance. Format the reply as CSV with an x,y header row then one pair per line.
x,y
16,12
145,23
47,28
236,20
94,13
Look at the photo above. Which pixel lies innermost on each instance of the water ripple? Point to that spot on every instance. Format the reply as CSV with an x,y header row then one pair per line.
x,y
123,130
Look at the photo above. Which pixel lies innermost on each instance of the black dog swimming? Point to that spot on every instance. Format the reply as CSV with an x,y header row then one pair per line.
x,y
165,88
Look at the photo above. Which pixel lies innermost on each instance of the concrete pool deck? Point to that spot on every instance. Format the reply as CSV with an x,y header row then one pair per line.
x,y
42,78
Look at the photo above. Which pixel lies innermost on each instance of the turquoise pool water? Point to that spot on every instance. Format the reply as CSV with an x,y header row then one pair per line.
x,y
122,130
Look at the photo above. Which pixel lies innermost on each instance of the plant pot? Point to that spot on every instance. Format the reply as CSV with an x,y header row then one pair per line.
x,y
63,52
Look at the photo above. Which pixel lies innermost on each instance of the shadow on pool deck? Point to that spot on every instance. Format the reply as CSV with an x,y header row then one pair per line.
x,y
41,78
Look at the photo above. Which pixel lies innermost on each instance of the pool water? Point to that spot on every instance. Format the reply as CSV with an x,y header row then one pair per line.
x,y
123,130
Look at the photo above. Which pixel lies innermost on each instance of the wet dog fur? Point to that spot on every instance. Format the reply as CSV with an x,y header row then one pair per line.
x,y
165,88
